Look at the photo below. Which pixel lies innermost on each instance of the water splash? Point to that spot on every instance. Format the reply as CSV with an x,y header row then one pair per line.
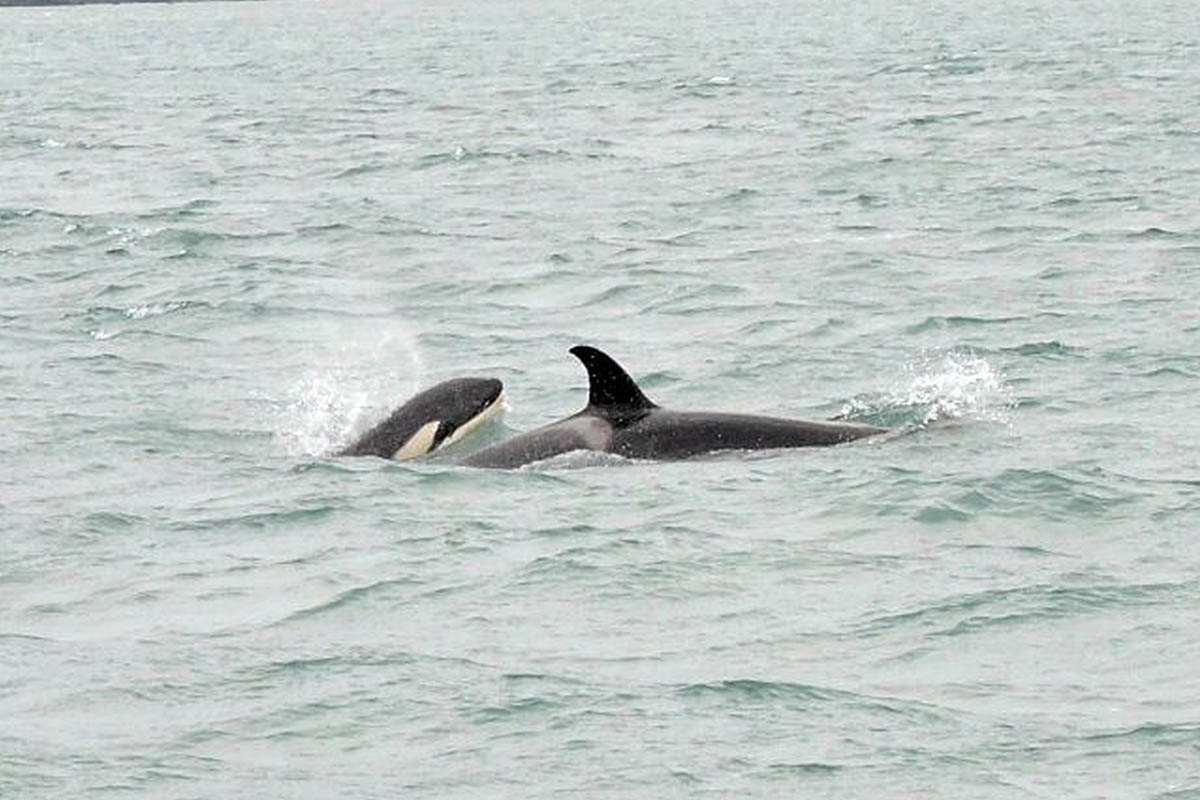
x,y
951,385
577,459
353,387
155,309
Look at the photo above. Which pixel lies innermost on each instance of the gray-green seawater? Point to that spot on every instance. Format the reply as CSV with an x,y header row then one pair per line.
x,y
231,235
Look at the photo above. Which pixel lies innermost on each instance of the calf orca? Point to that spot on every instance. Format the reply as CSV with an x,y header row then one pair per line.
x,y
620,419
436,417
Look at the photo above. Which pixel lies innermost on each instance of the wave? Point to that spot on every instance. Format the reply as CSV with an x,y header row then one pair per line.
x,y
282,518
938,322
576,459
517,155
1158,734
754,690
1052,348
980,611
348,597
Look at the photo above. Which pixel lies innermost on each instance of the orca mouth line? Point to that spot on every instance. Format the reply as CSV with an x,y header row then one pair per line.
x,y
492,411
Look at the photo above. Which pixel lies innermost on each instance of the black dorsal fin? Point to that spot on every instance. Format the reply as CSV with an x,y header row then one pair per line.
x,y
608,384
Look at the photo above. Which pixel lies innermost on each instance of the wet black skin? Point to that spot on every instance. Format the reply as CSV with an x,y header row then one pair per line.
x,y
620,419
451,403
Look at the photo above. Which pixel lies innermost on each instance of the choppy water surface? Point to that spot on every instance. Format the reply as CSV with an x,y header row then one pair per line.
x,y
232,235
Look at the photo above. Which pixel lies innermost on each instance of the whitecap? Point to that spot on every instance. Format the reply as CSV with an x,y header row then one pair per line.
x,y
154,309
577,459
950,385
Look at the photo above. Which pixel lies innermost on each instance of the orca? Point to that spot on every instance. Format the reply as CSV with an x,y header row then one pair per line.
x,y
620,419
436,417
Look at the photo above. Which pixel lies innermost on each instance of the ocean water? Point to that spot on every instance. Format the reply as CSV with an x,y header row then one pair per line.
x,y
234,234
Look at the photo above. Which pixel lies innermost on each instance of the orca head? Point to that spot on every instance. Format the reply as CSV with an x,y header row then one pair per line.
x,y
611,392
470,403
438,416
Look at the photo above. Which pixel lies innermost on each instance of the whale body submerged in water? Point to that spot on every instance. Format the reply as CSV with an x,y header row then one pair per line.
x,y
618,419
440,415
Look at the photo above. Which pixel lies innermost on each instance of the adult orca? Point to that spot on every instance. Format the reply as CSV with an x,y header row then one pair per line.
x,y
436,417
620,419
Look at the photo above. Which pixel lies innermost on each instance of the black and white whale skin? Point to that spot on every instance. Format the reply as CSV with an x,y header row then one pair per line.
x,y
436,417
620,419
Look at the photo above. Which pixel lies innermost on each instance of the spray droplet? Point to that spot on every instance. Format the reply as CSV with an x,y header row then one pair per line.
x,y
952,385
